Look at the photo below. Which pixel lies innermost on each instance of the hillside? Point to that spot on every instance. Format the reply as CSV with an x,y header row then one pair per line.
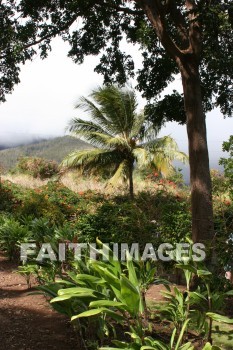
x,y
55,149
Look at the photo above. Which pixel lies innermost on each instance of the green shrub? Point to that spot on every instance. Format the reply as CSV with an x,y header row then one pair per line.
x,y
108,294
12,233
169,212
228,162
118,220
37,167
37,205
10,195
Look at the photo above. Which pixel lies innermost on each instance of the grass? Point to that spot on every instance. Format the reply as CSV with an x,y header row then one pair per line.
x,y
25,181
222,332
223,335
78,183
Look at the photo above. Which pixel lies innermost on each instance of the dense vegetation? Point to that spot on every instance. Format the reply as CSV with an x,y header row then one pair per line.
x,y
109,296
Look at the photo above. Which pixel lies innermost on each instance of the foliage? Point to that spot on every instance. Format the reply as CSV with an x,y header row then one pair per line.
x,y
159,215
95,293
101,31
10,195
228,163
187,37
117,221
105,292
12,233
38,205
37,167
53,201
223,209
121,137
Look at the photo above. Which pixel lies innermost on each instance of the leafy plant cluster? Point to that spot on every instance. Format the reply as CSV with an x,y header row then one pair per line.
x,y
37,167
228,163
223,207
108,295
155,217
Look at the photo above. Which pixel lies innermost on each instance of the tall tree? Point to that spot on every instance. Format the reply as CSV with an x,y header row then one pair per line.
x,y
121,137
190,37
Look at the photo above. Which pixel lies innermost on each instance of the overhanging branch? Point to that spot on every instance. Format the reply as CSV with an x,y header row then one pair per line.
x,y
52,34
179,21
155,12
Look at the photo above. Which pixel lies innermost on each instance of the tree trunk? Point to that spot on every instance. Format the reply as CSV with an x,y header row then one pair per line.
x,y
131,190
201,192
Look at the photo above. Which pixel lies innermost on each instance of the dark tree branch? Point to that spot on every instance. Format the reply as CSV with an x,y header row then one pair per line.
x,y
155,12
195,37
57,31
127,10
52,34
179,21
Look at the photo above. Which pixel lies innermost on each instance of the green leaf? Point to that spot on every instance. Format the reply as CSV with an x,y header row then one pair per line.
x,y
230,293
130,295
131,270
89,278
197,296
88,313
120,344
62,298
75,290
173,337
186,267
208,346
104,303
203,273
108,276
117,317
182,333
65,282
219,318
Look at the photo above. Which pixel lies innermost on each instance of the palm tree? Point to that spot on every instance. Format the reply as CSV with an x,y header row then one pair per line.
x,y
121,137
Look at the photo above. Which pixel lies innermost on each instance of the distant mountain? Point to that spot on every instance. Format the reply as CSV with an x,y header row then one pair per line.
x,y
54,149
12,140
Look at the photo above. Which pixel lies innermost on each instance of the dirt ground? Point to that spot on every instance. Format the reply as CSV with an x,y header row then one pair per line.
x,y
26,321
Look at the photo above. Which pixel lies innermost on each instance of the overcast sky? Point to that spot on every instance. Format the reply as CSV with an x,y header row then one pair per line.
x,y
43,102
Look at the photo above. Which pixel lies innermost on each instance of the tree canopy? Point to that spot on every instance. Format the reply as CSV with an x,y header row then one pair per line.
x,y
98,27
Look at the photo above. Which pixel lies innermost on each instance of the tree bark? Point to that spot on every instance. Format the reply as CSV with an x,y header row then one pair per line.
x,y
201,191
187,58
131,187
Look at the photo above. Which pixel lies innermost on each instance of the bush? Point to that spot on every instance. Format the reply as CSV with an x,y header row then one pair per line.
x,y
117,220
12,233
10,195
169,212
228,164
108,296
38,205
152,218
37,167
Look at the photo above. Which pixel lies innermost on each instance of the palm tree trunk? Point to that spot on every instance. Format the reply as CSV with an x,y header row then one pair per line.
x,y
131,187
